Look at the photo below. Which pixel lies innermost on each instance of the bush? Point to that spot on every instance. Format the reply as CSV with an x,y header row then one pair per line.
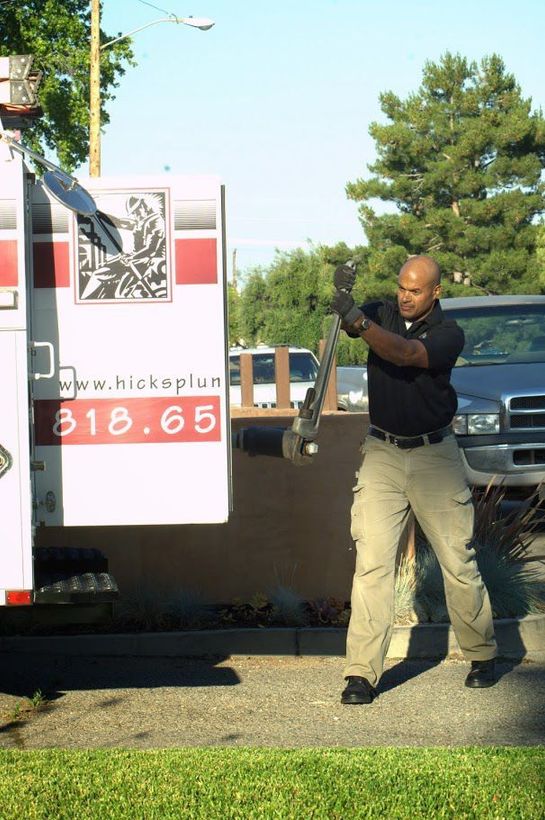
x,y
501,543
148,609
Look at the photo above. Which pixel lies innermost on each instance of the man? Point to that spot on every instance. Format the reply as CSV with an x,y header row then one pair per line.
x,y
411,460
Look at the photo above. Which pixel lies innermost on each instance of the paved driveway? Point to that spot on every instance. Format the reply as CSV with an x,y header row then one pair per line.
x,y
275,701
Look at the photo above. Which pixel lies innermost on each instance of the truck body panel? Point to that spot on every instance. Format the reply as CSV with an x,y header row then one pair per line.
x,y
15,482
133,427
115,406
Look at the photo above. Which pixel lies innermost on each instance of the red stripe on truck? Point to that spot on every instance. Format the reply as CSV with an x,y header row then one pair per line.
x,y
196,262
51,264
9,276
168,419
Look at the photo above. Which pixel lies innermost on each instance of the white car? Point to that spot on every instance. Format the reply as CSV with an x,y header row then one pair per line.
x,y
303,371
352,394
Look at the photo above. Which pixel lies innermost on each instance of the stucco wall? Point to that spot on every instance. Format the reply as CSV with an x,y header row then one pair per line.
x,y
290,526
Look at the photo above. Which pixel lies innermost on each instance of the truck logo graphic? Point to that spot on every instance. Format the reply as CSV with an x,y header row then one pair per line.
x,y
6,461
123,256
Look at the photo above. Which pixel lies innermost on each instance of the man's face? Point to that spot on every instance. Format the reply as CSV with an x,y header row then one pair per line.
x,y
140,212
416,293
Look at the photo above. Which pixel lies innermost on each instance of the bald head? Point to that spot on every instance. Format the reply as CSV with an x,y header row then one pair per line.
x,y
418,287
425,267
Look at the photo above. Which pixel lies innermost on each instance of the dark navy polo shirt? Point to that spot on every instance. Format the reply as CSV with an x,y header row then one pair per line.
x,y
409,401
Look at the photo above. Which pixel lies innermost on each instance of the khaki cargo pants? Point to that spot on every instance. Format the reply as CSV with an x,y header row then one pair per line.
x,y
431,480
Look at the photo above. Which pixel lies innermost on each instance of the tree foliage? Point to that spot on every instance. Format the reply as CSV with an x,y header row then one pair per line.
x,y
540,254
233,311
57,33
289,302
461,161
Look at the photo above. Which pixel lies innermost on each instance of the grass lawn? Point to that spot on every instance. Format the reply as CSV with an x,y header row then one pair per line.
x,y
271,783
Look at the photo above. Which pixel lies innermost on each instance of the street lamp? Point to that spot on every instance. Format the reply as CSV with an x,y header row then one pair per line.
x,y
202,23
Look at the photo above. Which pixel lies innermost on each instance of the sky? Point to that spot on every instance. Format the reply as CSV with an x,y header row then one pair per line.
x,y
277,99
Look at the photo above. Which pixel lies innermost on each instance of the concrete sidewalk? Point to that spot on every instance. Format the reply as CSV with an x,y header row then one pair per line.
x,y
267,701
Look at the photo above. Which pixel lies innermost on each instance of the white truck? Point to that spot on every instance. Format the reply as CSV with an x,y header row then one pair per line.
x,y
114,402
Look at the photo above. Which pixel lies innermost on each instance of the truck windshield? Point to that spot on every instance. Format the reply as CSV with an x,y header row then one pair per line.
x,y
501,335
303,368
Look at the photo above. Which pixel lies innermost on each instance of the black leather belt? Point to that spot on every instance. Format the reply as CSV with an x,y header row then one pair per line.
x,y
406,443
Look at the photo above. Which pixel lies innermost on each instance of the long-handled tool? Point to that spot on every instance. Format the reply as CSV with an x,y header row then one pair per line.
x,y
297,443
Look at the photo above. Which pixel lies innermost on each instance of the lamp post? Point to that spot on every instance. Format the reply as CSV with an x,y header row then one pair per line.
x,y
201,23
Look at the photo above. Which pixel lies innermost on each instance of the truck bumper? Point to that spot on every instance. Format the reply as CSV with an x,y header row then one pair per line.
x,y
512,465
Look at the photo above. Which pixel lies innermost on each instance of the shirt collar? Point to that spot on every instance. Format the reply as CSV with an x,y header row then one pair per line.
x,y
434,317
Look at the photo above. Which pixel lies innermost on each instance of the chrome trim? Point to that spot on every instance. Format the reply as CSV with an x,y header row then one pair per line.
x,y
498,459
508,411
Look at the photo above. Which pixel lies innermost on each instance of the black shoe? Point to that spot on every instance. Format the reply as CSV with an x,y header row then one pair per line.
x,y
358,690
483,673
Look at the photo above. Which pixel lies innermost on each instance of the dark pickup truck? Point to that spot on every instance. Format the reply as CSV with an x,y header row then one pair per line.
x,y
500,381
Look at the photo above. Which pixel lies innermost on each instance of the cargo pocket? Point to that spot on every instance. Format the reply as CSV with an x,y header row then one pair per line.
x,y
459,519
357,512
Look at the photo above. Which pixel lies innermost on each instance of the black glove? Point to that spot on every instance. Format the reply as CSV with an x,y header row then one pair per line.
x,y
344,278
344,305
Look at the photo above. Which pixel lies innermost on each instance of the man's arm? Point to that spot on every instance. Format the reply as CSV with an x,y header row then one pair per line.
x,y
153,244
390,346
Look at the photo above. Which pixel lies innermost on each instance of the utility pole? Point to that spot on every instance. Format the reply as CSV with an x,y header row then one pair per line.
x,y
94,92
202,23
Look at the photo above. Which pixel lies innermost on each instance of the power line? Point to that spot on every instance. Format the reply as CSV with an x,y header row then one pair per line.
x,y
145,3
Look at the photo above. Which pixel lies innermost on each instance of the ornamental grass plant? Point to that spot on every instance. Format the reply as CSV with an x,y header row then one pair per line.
x,y
501,541
149,609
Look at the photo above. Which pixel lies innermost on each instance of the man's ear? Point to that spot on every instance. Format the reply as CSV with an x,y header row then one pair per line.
x,y
437,291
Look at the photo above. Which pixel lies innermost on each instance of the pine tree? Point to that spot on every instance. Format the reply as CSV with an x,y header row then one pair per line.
x,y
461,161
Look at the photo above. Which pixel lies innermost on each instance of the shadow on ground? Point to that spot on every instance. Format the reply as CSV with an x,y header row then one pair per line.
x,y
430,648
24,675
